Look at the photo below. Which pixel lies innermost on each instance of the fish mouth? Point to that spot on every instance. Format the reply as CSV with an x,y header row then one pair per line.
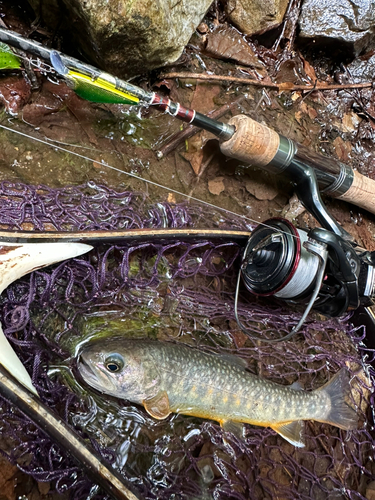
x,y
93,376
86,371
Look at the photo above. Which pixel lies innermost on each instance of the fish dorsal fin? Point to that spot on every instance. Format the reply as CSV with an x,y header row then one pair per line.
x,y
158,406
234,360
292,432
236,428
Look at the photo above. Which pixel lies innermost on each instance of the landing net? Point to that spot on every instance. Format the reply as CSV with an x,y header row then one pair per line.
x,y
182,292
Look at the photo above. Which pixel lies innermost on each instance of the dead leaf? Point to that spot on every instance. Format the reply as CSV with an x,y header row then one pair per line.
x,y
228,43
298,116
216,186
7,479
350,122
195,159
204,95
286,86
370,491
261,191
342,148
309,70
305,109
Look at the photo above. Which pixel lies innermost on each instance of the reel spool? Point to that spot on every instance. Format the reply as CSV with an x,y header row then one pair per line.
x,y
317,268
277,263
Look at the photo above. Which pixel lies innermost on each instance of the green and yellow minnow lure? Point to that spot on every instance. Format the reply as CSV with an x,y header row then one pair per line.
x,y
8,60
97,86
94,85
101,89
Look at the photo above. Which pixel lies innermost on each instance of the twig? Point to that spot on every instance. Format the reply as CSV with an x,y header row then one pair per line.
x,y
201,171
289,25
286,86
191,130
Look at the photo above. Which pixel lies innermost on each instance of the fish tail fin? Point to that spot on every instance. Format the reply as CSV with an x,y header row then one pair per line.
x,y
340,414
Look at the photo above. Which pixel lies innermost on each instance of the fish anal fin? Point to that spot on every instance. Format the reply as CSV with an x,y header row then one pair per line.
x,y
236,428
292,432
158,406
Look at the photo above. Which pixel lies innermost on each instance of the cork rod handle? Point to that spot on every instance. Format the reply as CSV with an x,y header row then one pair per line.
x,y
361,193
252,142
256,144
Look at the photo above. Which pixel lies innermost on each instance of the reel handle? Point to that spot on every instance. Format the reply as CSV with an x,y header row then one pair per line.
x,y
259,145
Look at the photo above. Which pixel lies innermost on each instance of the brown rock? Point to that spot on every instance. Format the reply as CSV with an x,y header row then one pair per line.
x,y
127,38
256,16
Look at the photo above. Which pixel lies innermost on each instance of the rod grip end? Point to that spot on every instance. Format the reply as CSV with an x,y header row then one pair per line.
x,y
361,192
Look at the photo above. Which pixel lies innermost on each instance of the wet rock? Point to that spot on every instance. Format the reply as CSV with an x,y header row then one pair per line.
x,y
362,70
349,21
256,16
14,93
129,38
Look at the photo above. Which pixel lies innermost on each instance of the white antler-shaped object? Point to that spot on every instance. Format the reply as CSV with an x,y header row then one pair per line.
x,y
16,260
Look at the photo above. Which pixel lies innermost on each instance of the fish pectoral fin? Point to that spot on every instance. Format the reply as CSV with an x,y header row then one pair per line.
x,y
292,432
158,406
296,386
236,428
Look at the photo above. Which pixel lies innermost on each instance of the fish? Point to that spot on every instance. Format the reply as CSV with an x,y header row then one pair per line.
x,y
172,378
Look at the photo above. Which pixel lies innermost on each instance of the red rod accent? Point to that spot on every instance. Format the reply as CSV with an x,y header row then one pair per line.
x,y
163,104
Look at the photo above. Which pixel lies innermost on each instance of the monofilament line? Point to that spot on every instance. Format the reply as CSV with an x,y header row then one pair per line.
x,y
135,176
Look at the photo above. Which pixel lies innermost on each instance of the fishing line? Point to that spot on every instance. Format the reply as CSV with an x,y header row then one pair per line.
x,y
135,176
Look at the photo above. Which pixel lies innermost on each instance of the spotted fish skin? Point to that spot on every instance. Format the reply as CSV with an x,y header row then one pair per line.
x,y
167,378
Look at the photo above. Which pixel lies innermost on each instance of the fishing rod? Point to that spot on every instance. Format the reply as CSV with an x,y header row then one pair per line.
x,y
242,137
323,268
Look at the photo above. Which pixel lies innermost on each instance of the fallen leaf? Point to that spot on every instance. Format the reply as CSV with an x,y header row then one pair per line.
x,y
298,116
350,122
216,186
261,191
342,148
228,43
370,491
204,95
195,159
309,70
14,93
286,86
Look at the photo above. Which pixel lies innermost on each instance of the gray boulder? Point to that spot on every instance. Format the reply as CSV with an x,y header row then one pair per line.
x,y
348,21
256,16
362,71
128,37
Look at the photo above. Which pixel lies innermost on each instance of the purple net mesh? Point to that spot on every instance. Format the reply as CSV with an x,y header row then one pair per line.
x,y
184,292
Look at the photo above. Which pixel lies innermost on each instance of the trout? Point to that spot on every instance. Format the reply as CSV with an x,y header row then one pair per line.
x,y
166,378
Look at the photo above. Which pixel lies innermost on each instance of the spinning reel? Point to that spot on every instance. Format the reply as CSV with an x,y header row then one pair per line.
x,y
322,268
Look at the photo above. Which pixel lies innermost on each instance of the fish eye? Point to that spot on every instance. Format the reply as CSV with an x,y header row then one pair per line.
x,y
114,362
